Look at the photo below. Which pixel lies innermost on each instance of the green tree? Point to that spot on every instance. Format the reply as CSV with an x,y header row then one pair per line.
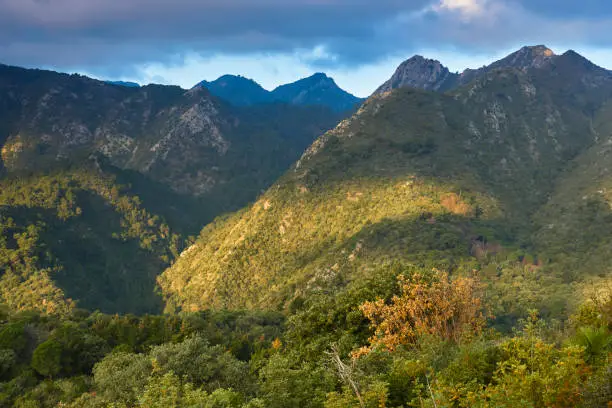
x,y
46,359
119,377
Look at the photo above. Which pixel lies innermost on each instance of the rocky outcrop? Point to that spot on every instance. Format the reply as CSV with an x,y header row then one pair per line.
x,y
421,73
427,74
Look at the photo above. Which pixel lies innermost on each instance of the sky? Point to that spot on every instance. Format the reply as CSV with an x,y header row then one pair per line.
x,y
357,42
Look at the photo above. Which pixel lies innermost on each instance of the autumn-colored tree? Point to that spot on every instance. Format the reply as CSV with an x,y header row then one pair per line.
x,y
442,307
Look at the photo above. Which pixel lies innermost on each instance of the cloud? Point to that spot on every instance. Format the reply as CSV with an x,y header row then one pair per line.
x,y
467,8
119,37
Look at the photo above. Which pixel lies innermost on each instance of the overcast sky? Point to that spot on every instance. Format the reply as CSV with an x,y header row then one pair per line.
x,y
357,42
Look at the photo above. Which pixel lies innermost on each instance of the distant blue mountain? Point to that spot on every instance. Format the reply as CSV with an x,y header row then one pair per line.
x,y
316,90
237,90
124,83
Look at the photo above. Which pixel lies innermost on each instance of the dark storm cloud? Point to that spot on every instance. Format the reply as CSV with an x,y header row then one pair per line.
x,y
121,33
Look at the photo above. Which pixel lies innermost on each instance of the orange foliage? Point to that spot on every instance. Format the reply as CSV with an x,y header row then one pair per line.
x,y
277,344
453,203
446,308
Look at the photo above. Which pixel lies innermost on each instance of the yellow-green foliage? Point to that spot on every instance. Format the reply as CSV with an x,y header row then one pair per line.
x,y
294,240
412,176
71,236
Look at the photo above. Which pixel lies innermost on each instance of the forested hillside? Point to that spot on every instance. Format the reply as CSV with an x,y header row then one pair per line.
x,y
417,177
76,236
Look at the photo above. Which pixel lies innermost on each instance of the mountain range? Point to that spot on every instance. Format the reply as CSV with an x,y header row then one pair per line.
x,y
316,90
419,72
418,176
444,243
432,158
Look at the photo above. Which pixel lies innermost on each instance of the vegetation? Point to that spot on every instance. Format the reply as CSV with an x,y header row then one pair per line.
x,y
75,237
201,156
435,250
462,182
335,352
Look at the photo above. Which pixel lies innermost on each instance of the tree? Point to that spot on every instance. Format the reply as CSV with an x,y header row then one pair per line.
x,y
46,359
442,307
203,365
120,376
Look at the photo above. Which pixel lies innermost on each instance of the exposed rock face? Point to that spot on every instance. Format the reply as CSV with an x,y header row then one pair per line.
x,y
431,75
524,59
421,73
187,140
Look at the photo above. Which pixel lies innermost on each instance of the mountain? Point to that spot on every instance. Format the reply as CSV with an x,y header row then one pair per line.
x,y
524,59
416,178
237,90
436,249
188,141
101,184
124,83
316,90
421,73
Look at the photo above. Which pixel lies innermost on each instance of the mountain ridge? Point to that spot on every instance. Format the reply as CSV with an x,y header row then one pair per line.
x,y
430,74
315,90
414,176
50,117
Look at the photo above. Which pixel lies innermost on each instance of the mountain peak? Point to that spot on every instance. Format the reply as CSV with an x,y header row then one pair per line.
x,y
538,50
316,79
127,84
317,89
581,65
535,56
420,72
236,89
236,78
319,75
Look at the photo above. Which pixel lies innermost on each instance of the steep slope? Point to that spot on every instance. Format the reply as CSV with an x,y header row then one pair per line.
x,y
573,228
186,140
78,237
318,89
414,177
237,90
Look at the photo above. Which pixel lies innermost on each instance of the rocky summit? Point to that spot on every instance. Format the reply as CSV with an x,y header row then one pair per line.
x,y
421,73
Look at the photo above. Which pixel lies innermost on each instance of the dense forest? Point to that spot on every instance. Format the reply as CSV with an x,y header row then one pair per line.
x,y
421,339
